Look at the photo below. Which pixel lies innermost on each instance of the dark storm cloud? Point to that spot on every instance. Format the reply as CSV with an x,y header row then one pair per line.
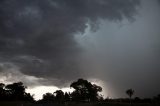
x,y
38,35
127,55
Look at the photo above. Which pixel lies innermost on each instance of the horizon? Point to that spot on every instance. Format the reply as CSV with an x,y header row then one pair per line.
x,y
113,43
38,92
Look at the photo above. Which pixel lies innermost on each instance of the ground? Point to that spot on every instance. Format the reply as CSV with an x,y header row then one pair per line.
x,y
74,104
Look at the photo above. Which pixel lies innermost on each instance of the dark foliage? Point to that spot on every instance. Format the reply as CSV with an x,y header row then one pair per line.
x,y
14,92
48,97
85,91
130,92
59,96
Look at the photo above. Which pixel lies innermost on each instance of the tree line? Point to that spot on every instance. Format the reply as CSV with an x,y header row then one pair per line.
x,y
14,92
84,91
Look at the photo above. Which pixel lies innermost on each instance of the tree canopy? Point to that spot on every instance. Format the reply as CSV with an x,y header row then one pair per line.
x,y
14,92
130,92
85,91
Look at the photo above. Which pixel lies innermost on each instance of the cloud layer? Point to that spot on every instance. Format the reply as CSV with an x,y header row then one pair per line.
x,y
37,36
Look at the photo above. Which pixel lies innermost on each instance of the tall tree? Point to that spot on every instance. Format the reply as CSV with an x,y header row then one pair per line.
x,y
67,97
16,90
29,97
130,93
85,91
2,91
59,96
48,97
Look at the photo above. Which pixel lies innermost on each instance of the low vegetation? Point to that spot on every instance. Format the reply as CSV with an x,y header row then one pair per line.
x,y
85,94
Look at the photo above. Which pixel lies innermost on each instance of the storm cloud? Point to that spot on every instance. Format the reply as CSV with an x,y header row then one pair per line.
x,y
53,42
125,54
37,36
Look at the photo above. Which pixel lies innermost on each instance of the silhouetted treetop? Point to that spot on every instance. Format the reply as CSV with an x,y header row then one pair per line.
x,y
48,97
130,92
14,91
85,90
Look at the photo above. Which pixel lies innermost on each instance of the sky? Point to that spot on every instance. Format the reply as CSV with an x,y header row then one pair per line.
x,y
51,43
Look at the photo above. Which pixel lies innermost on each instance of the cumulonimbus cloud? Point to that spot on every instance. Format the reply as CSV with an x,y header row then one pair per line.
x,y
38,35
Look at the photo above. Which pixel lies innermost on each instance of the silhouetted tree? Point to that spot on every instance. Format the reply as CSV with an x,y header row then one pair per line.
x,y
76,96
48,97
67,97
28,97
16,90
130,93
85,91
2,91
59,96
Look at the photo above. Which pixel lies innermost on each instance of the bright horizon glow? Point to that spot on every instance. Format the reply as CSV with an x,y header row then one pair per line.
x,y
40,90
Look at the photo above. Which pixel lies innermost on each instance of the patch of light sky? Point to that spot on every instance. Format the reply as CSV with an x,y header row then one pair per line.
x,y
122,41
113,39
38,91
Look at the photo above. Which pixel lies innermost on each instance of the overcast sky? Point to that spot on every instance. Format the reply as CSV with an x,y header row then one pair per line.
x,y
55,42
